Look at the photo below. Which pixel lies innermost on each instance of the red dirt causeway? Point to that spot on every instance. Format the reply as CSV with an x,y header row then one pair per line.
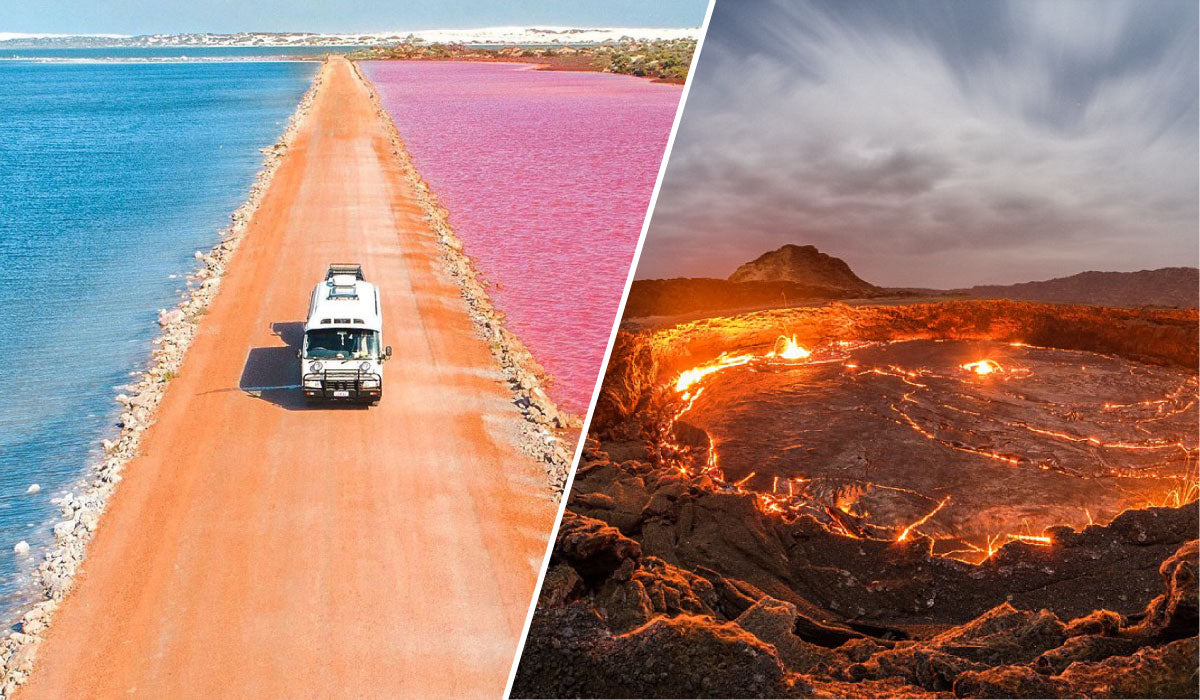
x,y
258,548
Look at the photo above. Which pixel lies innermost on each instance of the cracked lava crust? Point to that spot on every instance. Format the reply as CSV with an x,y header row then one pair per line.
x,y
898,438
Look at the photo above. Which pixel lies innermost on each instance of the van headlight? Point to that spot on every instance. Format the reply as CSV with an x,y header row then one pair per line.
x,y
312,383
365,367
370,383
317,367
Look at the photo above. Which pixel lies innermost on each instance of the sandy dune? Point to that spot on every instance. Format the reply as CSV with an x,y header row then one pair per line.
x,y
257,548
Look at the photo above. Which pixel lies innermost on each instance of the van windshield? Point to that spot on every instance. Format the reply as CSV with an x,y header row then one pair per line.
x,y
341,344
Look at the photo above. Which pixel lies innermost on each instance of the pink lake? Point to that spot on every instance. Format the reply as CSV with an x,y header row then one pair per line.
x,y
547,176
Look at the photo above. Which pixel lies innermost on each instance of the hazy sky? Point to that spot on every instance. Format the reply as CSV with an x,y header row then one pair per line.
x,y
938,143
155,16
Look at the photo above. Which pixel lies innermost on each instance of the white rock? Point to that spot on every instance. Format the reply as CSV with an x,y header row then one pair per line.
x,y
143,400
58,586
64,528
22,660
33,488
88,517
21,548
166,318
34,627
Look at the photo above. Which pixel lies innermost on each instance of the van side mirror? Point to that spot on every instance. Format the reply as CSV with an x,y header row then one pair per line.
x,y
387,352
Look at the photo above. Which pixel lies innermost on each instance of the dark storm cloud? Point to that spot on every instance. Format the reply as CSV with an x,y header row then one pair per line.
x,y
938,144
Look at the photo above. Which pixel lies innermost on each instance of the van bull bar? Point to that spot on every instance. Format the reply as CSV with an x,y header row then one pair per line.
x,y
343,384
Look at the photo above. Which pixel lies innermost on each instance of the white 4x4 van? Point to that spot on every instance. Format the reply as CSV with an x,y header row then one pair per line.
x,y
342,355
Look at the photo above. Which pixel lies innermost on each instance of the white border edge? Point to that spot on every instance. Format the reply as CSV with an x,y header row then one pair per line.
x,y
612,337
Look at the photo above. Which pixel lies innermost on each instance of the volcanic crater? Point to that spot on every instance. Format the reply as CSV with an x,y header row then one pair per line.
x,y
971,498
973,443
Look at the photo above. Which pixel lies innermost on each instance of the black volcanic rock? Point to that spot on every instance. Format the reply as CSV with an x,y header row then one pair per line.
x,y
803,264
1169,286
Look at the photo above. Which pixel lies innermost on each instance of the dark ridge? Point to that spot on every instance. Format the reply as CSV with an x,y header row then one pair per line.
x,y
1177,287
671,297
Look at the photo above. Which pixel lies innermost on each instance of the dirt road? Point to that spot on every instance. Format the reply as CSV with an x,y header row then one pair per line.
x,y
257,548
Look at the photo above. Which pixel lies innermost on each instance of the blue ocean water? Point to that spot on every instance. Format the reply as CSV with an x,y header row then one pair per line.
x,y
111,176
170,53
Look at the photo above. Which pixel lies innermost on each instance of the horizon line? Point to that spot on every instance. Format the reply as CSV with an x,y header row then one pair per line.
x,y
6,35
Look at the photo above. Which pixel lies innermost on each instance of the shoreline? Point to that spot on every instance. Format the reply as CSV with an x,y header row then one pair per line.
x,y
83,506
536,63
548,433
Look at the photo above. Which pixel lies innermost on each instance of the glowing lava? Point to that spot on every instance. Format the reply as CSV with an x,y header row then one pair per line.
x,y
904,535
830,431
692,376
983,367
788,349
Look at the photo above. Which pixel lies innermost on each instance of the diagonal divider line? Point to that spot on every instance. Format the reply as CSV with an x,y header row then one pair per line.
x,y
612,337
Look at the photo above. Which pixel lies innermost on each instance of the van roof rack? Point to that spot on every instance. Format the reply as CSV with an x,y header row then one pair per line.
x,y
345,269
